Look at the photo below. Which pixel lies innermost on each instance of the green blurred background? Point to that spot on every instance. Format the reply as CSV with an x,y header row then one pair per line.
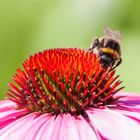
x,y
29,26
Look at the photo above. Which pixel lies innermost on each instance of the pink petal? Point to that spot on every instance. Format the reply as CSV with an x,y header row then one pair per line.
x,y
63,127
121,122
60,128
131,114
7,103
18,129
129,102
113,125
32,129
129,106
8,114
85,130
76,129
49,130
66,127
128,95
11,117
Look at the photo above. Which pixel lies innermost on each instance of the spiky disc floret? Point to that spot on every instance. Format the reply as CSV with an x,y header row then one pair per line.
x,y
63,81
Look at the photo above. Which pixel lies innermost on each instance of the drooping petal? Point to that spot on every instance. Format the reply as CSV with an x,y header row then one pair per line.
x,y
130,101
131,114
85,130
8,113
6,104
13,129
129,106
34,127
66,127
18,129
50,129
113,125
76,129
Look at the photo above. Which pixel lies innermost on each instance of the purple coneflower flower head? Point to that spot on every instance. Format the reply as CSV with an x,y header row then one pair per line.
x,y
66,94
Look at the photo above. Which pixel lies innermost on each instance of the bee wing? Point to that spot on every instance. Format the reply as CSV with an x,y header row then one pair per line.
x,y
115,35
118,36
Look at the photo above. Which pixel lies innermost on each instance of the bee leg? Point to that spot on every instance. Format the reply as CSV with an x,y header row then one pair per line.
x,y
118,63
94,43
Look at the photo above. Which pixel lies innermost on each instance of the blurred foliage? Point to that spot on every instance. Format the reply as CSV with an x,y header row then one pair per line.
x,y
29,26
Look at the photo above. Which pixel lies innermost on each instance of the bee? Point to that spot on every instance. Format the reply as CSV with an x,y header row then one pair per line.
x,y
108,48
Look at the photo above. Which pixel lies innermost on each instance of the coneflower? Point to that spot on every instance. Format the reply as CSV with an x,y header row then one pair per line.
x,y
66,94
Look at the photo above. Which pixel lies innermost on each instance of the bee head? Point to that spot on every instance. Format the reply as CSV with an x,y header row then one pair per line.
x,y
107,60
